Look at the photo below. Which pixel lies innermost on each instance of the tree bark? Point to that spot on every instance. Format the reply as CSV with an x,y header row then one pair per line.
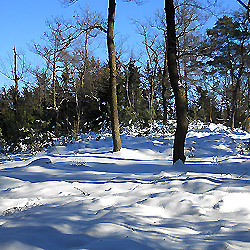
x,y
15,80
235,98
127,90
179,90
151,99
117,144
54,80
247,122
164,87
236,90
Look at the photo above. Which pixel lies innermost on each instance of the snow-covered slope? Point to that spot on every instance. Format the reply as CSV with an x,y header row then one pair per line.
x,y
83,196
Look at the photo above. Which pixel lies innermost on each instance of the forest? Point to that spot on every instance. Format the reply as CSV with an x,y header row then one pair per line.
x,y
71,91
144,148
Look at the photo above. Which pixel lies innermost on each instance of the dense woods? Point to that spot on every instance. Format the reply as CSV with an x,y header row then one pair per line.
x,y
70,93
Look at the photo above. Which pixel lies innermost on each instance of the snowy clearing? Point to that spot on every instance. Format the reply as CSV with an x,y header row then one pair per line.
x,y
83,196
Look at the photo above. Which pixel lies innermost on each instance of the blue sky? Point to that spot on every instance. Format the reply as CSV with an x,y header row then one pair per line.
x,y
23,21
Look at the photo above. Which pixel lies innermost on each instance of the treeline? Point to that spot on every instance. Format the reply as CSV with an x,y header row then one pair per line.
x,y
70,93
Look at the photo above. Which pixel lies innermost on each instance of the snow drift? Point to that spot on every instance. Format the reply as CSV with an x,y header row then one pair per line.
x,y
83,196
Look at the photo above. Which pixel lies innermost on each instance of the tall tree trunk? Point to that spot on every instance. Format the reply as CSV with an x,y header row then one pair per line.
x,y
127,88
78,112
151,99
247,123
179,91
16,93
16,96
117,144
152,90
164,86
235,95
210,112
83,76
235,98
185,75
54,81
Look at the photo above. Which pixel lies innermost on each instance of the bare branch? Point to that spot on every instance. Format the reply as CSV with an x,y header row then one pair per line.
x,y
139,2
67,3
244,5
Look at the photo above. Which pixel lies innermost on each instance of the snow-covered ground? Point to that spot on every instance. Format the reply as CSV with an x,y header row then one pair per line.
x,y
83,196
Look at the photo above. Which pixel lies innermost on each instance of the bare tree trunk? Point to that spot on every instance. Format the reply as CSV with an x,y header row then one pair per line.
x,y
78,112
152,90
83,76
179,91
210,112
247,123
236,91
151,99
164,88
127,88
15,80
54,81
248,95
117,144
235,98
185,75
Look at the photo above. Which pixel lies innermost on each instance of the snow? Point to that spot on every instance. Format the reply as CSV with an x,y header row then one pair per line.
x,y
83,196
